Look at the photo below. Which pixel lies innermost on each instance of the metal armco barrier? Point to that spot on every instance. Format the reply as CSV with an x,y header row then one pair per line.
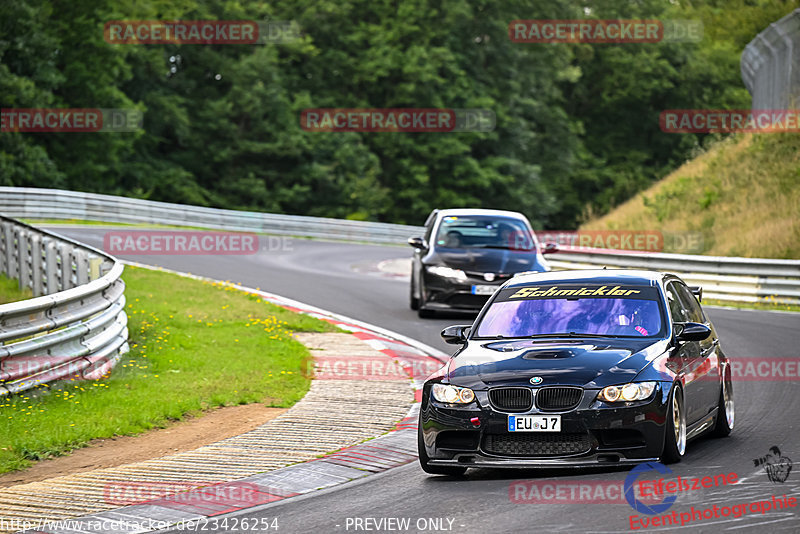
x,y
730,279
57,204
722,278
75,326
771,65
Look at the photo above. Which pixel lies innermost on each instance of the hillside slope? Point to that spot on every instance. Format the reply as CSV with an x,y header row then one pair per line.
x,y
743,195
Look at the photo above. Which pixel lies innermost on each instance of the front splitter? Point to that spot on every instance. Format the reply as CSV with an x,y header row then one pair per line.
x,y
541,463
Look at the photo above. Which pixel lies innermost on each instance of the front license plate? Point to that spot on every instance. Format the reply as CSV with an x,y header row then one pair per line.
x,y
534,423
483,290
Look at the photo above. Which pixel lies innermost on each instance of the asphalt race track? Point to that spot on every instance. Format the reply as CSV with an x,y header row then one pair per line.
x,y
342,278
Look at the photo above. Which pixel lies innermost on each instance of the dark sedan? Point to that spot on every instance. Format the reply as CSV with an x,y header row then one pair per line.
x,y
577,368
466,254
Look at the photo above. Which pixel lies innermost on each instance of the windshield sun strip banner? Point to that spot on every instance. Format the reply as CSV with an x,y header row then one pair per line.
x,y
572,291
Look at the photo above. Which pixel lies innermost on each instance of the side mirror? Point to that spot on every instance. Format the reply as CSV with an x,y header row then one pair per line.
x,y
691,331
549,248
456,334
697,291
417,242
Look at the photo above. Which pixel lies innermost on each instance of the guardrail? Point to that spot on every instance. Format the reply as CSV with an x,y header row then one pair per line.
x,y
75,326
771,65
23,202
722,278
730,279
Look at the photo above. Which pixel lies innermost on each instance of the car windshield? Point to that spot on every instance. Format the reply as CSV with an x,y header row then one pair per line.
x,y
484,232
608,310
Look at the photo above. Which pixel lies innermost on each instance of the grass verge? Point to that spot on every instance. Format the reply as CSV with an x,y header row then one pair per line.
x,y
10,291
194,346
762,305
742,195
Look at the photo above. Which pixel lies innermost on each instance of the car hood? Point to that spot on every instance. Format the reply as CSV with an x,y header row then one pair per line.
x,y
593,363
491,260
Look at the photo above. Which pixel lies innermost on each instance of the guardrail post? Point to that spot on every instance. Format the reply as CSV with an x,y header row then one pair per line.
x,y
65,250
51,267
95,264
36,266
23,259
11,253
82,266
5,230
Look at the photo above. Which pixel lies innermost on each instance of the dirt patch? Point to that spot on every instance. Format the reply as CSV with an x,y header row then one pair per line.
x,y
179,437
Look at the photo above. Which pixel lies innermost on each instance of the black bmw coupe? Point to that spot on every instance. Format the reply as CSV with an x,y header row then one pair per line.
x,y
576,368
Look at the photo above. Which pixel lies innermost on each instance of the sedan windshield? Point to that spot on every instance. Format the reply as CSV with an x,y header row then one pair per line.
x,y
484,232
514,316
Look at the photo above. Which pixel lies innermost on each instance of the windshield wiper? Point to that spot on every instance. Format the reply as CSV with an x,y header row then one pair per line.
x,y
504,247
563,334
568,334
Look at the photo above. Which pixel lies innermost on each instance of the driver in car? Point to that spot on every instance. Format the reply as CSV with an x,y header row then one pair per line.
x,y
511,238
634,320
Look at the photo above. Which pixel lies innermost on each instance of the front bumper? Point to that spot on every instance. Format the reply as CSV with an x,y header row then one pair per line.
x,y
593,433
539,463
447,294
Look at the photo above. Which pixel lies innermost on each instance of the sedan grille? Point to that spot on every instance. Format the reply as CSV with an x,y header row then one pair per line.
x,y
511,399
497,276
463,300
558,398
533,444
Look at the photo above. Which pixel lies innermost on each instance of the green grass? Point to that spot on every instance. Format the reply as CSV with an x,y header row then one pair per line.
x,y
195,346
767,304
742,195
10,292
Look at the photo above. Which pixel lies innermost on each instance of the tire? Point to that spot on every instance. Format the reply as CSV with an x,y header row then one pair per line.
x,y
435,469
421,311
725,409
413,301
675,435
425,314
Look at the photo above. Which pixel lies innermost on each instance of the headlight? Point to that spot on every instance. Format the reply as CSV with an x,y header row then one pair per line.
x,y
635,391
452,394
447,272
